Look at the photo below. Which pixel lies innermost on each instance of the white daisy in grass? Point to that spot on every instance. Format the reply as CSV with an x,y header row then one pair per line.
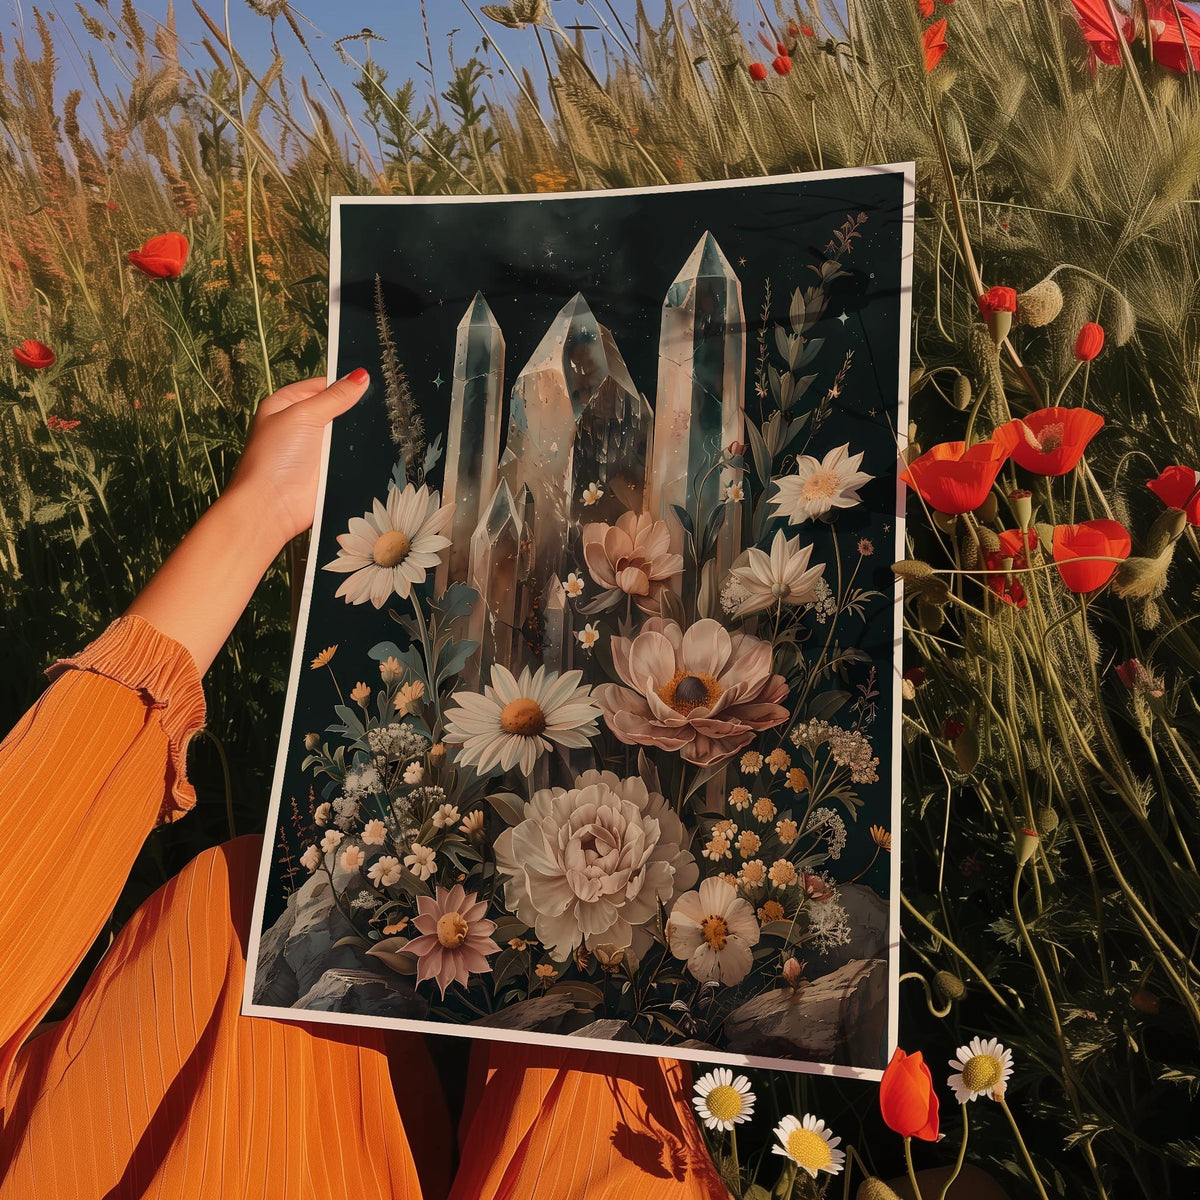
x,y
515,720
389,549
781,577
983,1070
723,1100
821,484
809,1144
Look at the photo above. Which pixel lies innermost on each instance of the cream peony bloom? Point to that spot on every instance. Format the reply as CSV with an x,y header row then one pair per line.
x,y
821,485
389,549
591,864
781,577
515,720
713,930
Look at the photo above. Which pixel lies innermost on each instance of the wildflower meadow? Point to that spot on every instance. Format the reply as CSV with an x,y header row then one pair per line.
x,y
164,266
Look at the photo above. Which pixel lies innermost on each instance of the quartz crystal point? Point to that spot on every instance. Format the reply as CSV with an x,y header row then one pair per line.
x,y
701,390
576,418
556,651
525,623
494,574
473,434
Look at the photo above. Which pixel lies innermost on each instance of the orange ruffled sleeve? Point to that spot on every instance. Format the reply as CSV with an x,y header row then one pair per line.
x,y
85,775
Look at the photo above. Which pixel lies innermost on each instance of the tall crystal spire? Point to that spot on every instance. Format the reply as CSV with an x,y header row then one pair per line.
x,y
473,434
576,419
495,568
701,390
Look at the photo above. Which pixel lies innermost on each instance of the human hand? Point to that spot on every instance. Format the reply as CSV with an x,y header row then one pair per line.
x,y
281,464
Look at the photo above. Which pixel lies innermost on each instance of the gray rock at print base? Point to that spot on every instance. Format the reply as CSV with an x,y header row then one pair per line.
x,y
349,990
840,1018
541,1014
298,949
608,1030
869,916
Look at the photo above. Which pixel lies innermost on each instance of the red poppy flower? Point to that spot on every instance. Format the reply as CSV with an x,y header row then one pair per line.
x,y
915,676
907,1099
1010,588
952,729
1052,440
35,355
1174,50
953,478
1090,342
1089,539
925,8
933,42
161,257
1179,487
1102,37
998,299
782,65
758,71
60,424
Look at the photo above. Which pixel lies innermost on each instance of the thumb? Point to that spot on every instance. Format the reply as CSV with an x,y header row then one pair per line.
x,y
338,397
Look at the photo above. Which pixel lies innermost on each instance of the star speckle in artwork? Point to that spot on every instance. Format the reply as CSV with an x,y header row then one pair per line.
x,y
742,261
437,383
549,251
873,412
843,318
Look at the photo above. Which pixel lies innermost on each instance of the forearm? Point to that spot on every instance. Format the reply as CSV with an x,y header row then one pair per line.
x,y
199,593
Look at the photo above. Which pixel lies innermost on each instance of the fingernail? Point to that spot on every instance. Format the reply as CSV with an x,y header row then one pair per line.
x,y
359,376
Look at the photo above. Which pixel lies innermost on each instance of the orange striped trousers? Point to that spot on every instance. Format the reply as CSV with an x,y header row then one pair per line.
x,y
156,1085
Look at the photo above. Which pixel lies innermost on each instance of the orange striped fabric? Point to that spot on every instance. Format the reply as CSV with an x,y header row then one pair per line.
x,y
156,1086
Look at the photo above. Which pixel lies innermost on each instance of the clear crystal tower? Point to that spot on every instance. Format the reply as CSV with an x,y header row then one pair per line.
x,y
495,568
701,385
473,434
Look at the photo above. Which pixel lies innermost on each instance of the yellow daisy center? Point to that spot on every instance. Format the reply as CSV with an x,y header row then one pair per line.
x,y
724,1102
451,929
808,1150
822,484
391,548
688,691
982,1072
524,717
715,932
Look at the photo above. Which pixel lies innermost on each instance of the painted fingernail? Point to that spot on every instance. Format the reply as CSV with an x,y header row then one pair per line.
x,y
359,376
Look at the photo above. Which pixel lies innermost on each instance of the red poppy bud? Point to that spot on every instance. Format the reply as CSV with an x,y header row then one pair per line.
x,y
782,65
951,729
906,1097
793,29
925,8
807,30
915,676
1026,845
35,355
161,257
1090,342
780,48
1179,487
1145,1002
933,42
998,299
758,72
111,205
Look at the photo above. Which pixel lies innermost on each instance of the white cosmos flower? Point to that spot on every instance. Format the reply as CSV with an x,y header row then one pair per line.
x,y
722,1100
385,871
810,1145
712,929
421,861
389,549
781,577
983,1069
311,858
821,484
515,720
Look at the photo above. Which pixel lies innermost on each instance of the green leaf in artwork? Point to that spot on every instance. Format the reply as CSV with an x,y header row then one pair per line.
x,y
453,658
684,518
824,705
762,456
457,601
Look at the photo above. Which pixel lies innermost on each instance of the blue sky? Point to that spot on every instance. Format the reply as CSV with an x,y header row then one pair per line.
x,y
323,22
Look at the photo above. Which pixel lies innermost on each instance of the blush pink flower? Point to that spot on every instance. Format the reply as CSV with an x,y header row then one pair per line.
x,y
704,693
455,937
633,556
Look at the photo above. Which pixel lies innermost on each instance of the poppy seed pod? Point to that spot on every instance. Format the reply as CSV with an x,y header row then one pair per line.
x,y
948,986
966,750
1089,342
998,306
1047,821
875,1189
961,395
1040,304
1025,846
1021,503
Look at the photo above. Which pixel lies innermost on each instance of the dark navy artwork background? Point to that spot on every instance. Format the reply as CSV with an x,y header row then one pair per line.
x,y
622,252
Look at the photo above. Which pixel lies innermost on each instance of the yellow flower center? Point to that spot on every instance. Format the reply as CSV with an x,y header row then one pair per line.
x,y
523,716
715,932
391,548
687,691
808,1150
724,1103
822,484
982,1072
451,929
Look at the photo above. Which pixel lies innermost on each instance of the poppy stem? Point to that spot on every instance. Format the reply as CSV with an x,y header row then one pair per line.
x,y
912,1175
962,1153
1033,1171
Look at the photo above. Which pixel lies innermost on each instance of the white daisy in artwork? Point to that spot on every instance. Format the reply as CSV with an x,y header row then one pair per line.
x,y
781,577
809,1144
389,549
982,1069
819,485
723,1100
515,720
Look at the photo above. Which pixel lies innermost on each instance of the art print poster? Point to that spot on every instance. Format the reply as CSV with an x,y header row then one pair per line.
x,y
592,729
